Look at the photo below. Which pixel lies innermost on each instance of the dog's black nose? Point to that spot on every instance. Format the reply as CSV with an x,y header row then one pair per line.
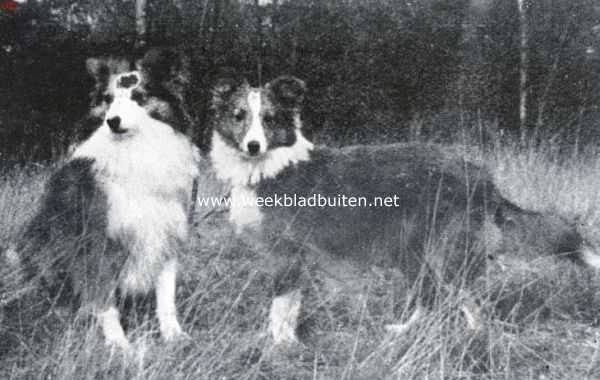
x,y
253,147
115,124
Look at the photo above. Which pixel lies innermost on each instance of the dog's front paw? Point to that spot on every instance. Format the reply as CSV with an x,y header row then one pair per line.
x,y
117,343
284,335
174,333
113,331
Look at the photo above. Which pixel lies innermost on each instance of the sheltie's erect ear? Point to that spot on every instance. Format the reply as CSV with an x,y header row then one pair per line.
x,y
101,68
287,91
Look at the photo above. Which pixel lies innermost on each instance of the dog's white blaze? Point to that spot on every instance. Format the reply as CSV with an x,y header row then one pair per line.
x,y
256,132
111,328
590,257
285,310
147,175
297,121
165,302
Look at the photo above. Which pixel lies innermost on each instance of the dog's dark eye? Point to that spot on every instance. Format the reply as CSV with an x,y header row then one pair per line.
x,y
138,97
269,119
107,98
240,115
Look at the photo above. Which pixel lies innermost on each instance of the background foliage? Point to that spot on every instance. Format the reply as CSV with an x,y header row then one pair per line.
x,y
373,67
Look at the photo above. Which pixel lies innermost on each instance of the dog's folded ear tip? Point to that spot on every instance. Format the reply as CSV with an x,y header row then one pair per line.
x,y
94,65
100,68
92,61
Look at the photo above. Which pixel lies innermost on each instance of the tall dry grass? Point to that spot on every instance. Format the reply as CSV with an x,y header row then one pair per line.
x,y
540,316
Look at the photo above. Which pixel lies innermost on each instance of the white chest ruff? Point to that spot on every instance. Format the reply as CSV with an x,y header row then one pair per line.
x,y
232,167
148,226
244,211
147,179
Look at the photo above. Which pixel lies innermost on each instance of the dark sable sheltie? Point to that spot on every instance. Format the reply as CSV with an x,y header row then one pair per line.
x,y
258,147
113,217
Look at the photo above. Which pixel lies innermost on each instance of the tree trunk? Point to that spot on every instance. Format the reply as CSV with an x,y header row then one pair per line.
x,y
523,66
140,22
553,74
260,40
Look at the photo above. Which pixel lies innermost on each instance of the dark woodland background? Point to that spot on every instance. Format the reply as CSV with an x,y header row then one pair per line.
x,y
376,69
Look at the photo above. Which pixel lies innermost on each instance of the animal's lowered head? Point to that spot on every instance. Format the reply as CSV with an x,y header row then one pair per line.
x,y
531,235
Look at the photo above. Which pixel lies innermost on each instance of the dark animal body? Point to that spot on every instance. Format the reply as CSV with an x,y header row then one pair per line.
x,y
439,197
443,199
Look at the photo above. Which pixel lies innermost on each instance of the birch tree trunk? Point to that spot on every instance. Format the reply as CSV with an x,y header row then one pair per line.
x,y
523,65
140,22
259,42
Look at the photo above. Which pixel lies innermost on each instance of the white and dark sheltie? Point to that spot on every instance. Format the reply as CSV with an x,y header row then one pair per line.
x,y
114,217
259,149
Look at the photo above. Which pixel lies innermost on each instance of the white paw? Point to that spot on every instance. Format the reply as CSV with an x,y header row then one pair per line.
x,y
172,332
284,318
284,335
118,343
113,331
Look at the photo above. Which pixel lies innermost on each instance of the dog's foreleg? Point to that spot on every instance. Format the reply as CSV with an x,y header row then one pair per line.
x,y
112,329
165,302
285,310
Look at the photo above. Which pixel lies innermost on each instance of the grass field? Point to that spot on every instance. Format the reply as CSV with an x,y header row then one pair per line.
x,y
541,314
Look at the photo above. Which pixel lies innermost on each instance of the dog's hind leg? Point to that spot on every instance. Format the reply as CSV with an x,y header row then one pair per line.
x,y
285,310
165,303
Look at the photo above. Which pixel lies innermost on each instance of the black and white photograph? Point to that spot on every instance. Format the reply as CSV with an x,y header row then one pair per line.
x,y
299,189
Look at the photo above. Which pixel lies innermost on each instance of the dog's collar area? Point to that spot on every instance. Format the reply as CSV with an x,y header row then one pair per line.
x,y
234,166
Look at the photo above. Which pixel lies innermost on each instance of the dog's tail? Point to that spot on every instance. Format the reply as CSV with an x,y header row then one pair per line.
x,y
543,233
